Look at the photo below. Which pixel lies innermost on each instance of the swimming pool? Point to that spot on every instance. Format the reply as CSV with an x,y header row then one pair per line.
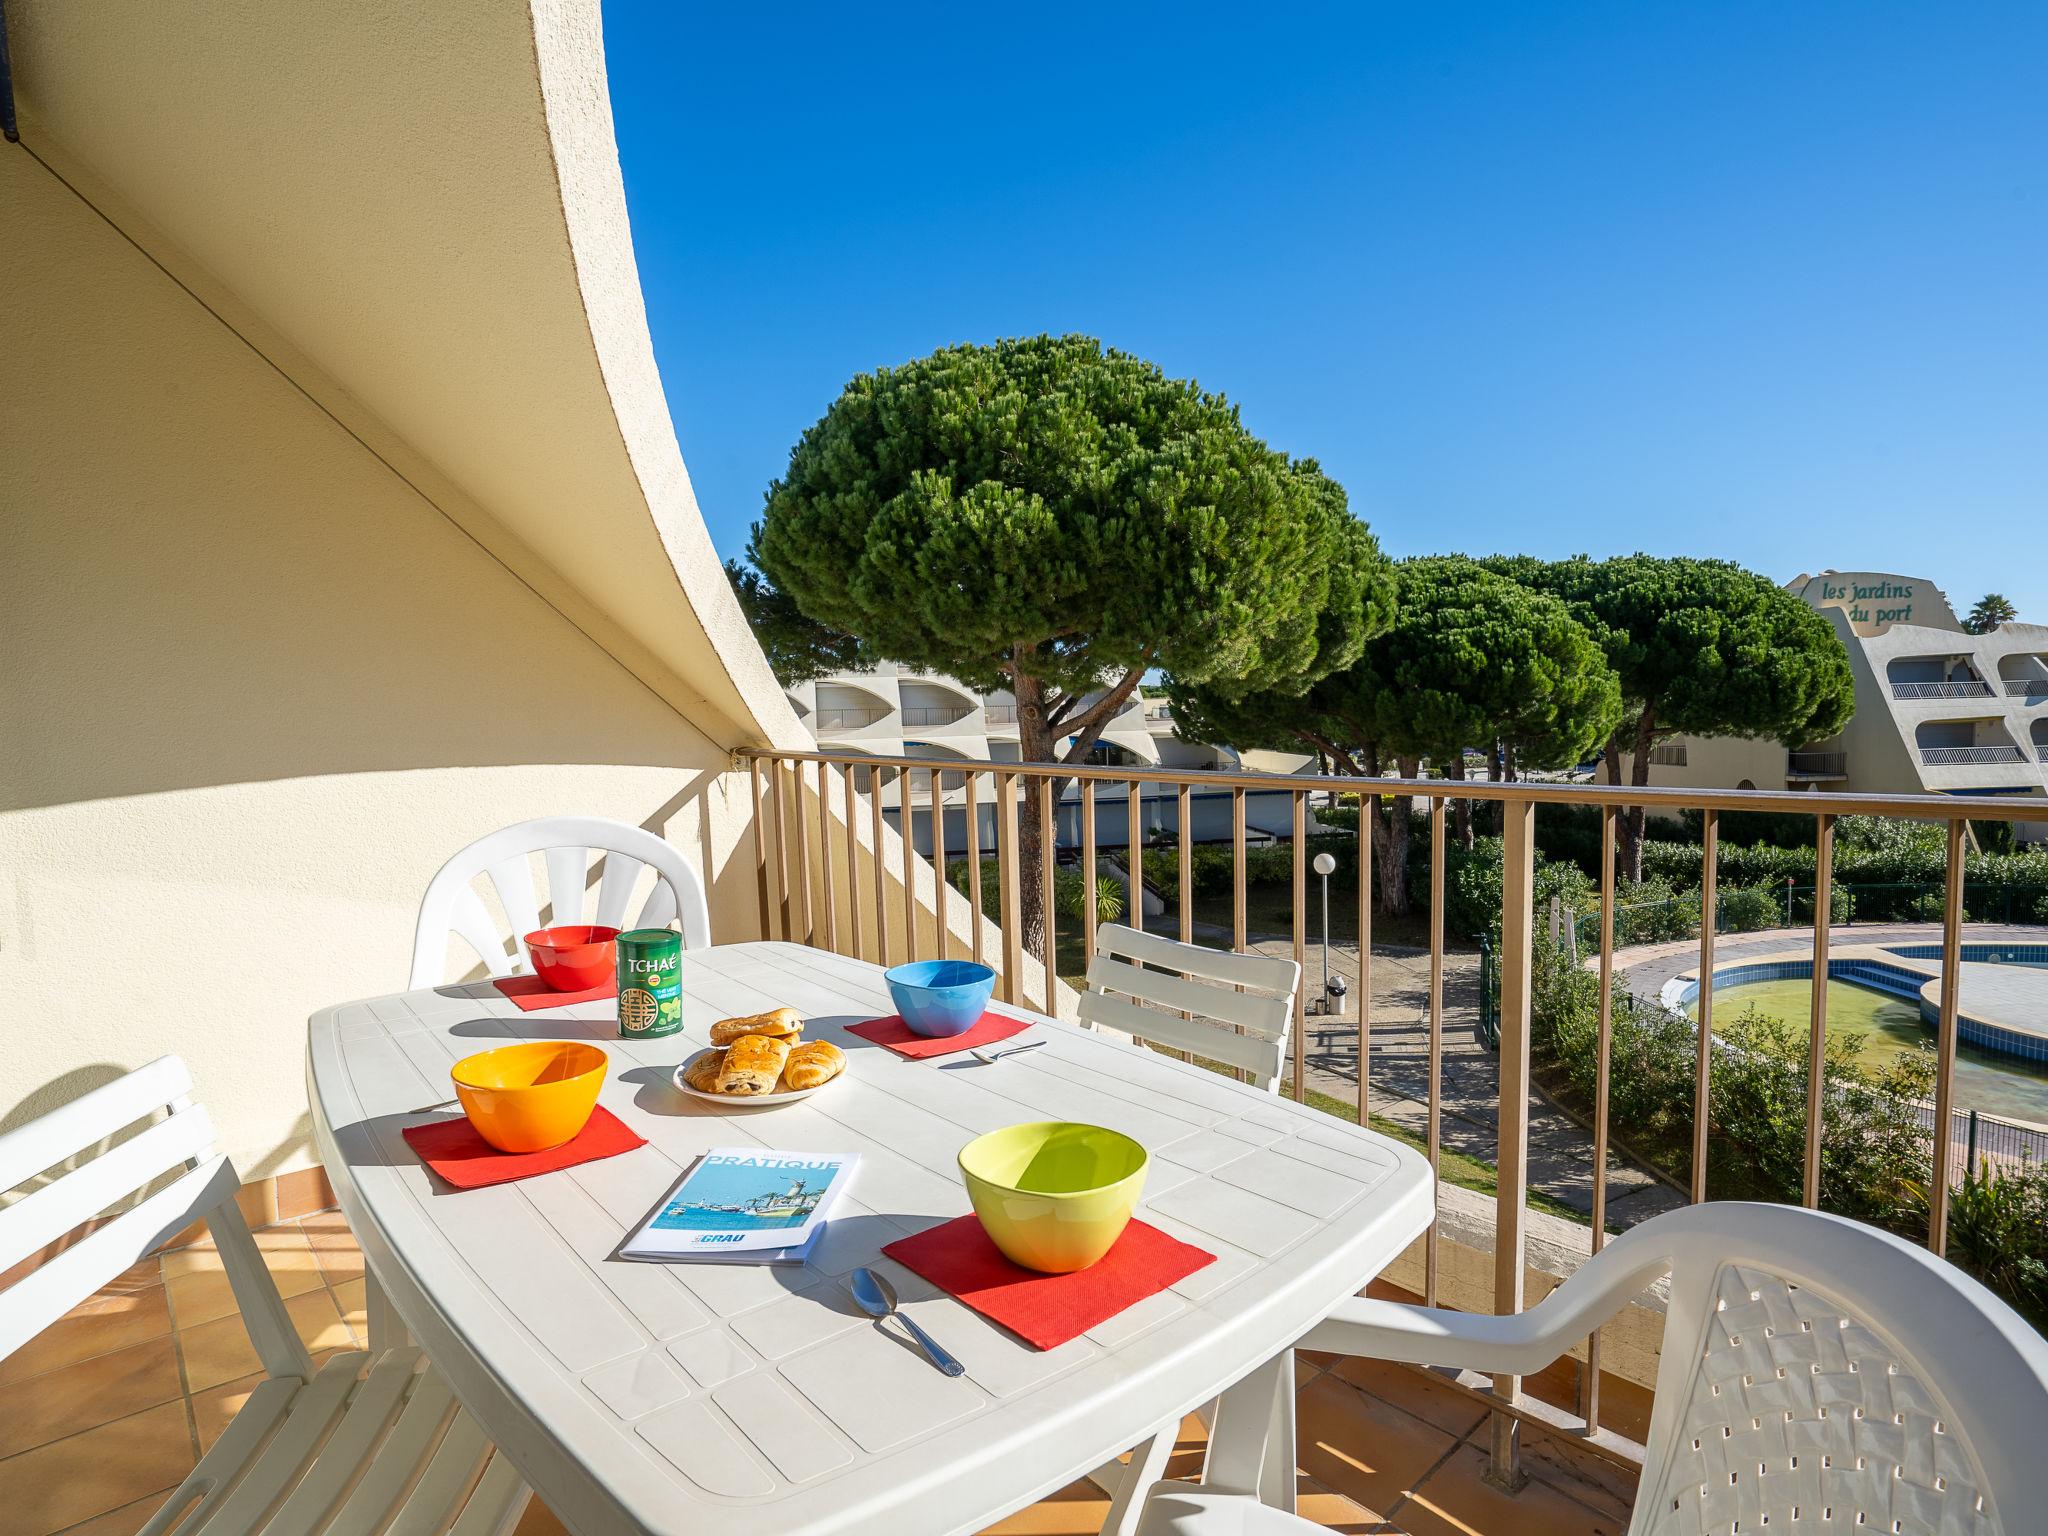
x,y
1889,997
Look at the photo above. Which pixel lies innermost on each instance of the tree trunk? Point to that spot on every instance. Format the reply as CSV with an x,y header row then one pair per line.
x,y
1390,826
1037,741
1461,810
1636,817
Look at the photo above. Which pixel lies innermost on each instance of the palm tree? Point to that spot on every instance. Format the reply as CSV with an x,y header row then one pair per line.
x,y
1992,610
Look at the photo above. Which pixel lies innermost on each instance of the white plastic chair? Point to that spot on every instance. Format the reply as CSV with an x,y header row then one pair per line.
x,y
1239,1010
452,904
1225,992
1816,1374
365,1444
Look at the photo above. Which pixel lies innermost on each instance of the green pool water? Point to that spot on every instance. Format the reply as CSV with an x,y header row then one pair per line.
x,y
1890,1027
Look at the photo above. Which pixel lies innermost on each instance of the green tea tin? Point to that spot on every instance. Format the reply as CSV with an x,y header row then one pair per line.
x,y
650,983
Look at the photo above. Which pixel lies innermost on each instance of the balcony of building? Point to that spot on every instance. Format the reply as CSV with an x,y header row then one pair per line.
x,y
1816,765
2024,676
1954,676
931,706
1983,742
845,707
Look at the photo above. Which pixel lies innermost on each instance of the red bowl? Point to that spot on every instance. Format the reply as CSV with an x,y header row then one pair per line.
x,y
574,957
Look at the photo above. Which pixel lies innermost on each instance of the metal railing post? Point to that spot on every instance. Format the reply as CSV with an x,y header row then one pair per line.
x,y
1511,1182
1945,1047
760,840
1008,902
1300,809
1703,1046
1817,1041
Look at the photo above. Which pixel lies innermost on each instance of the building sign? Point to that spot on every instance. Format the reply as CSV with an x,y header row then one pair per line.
x,y
1873,602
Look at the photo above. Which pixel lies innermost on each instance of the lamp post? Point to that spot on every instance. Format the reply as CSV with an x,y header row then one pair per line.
x,y
1325,864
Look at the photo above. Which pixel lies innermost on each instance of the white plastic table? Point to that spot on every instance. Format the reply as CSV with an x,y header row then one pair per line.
x,y
757,1401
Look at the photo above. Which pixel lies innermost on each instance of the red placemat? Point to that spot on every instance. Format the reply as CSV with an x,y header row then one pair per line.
x,y
454,1150
904,1041
1047,1310
530,992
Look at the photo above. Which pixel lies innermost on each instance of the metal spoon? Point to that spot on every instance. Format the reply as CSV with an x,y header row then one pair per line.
x,y
877,1298
989,1057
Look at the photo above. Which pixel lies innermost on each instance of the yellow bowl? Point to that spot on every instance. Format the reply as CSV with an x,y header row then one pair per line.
x,y
1053,1195
527,1098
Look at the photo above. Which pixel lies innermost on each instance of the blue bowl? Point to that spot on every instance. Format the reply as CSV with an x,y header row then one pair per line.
x,y
940,997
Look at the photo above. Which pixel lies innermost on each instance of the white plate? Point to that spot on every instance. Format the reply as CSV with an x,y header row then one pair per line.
x,y
741,1100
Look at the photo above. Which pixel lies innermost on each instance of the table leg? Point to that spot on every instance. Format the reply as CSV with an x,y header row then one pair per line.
x,y
1241,1439
385,1327
1276,1477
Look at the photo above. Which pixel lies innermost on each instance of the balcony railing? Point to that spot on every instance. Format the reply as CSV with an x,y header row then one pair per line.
x,y
2032,689
1963,689
1970,757
818,824
849,719
1817,765
935,714
1000,714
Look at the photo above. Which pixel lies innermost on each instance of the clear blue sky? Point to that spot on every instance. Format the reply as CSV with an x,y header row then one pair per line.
x,y
1767,282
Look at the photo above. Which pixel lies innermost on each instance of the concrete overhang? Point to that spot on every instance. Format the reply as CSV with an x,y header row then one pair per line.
x,y
416,213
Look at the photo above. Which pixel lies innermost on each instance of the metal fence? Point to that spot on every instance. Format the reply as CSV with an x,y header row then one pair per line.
x,y
808,807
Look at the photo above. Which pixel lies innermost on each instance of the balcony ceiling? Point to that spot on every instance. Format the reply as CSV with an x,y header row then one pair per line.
x,y
416,213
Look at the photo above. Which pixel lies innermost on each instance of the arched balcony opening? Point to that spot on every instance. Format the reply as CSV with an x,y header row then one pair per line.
x,y
2024,676
1966,743
1952,676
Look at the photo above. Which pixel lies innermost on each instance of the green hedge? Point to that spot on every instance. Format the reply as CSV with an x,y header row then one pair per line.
x,y
1885,884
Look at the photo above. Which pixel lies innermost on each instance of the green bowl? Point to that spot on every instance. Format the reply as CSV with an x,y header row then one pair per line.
x,y
1053,1195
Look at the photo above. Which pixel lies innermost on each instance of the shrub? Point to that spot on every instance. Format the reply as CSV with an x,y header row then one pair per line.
x,y
1747,908
1875,1153
1998,1231
1067,891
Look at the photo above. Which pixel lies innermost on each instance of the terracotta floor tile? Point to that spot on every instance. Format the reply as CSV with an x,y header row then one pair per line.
x,y
1076,1510
215,1408
201,1295
1456,1501
95,1391
352,1296
1362,1447
1592,1480
220,1351
103,1469
1433,1402
285,1249
125,1521
539,1520
334,1246
115,1319
217,1352
1334,1512
318,1319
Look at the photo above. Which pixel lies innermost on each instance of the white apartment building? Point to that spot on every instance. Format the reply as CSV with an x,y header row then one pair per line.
x,y
1937,709
896,711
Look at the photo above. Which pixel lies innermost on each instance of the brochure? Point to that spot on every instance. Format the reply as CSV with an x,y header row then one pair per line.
x,y
748,1203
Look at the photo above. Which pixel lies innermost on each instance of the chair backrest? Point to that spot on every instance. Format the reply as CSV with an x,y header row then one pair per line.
x,y
1231,1008
103,1204
453,906
1817,1369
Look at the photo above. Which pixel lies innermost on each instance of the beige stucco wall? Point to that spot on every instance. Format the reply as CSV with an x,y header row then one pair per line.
x,y
253,691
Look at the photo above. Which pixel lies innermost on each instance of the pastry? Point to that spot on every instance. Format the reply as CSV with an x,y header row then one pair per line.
x,y
784,1022
812,1063
701,1072
752,1064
